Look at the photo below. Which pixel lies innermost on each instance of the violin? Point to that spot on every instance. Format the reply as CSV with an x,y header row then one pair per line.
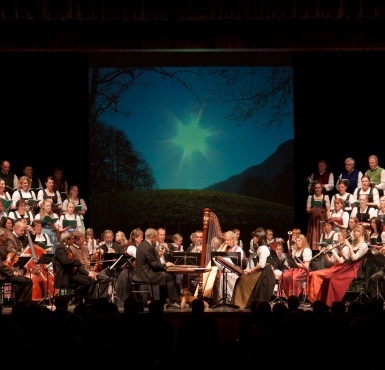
x,y
97,258
12,258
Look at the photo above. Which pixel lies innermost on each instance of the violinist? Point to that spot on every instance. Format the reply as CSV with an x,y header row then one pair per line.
x,y
69,270
16,241
123,282
8,274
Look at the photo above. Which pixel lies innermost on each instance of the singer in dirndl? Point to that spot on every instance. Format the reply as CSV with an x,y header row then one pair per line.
x,y
318,207
339,254
294,278
258,279
333,287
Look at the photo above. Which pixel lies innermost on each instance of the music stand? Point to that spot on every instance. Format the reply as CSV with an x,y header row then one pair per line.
x,y
21,262
119,262
128,262
234,256
280,265
290,261
186,258
224,284
46,259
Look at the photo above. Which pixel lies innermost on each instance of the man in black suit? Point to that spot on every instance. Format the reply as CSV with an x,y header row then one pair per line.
x,y
69,270
151,271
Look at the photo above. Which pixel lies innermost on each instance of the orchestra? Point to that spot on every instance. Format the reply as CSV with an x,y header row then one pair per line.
x,y
43,276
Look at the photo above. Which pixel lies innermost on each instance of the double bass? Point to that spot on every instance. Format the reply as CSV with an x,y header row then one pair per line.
x,y
42,279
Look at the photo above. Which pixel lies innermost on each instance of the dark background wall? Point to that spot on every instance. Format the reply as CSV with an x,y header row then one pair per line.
x,y
44,114
338,113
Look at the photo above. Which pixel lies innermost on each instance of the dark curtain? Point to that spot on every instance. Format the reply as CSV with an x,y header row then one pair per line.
x,y
188,10
119,25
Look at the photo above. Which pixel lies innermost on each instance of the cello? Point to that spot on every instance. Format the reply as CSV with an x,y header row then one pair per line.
x,y
42,280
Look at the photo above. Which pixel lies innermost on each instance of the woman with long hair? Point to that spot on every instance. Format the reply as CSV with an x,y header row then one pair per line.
x,y
293,279
123,284
7,223
258,280
339,254
333,288
80,204
136,237
50,221
120,238
4,194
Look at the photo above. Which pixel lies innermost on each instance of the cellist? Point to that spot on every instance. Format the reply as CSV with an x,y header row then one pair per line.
x,y
41,275
8,274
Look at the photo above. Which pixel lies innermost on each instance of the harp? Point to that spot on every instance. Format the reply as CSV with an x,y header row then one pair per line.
x,y
211,229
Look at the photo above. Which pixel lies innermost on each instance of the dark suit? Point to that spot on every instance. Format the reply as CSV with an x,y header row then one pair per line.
x,y
150,270
70,271
22,284
13,243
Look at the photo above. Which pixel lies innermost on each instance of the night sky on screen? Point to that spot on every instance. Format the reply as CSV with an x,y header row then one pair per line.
x,y
188,145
